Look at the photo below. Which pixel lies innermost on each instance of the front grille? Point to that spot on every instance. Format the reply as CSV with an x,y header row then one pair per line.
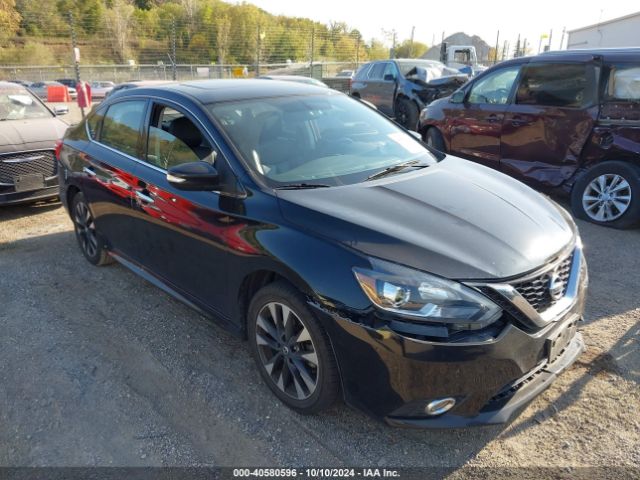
x,y
24,163
537,290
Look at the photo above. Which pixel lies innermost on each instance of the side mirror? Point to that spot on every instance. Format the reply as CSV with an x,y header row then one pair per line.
x,y
194,176
389,77
60,110
458,97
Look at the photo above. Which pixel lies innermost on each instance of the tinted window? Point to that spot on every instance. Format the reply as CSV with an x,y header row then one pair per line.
x,y
174,139
362,71
93,123
390,69
328,139
376,71
555,85
495,87
121,126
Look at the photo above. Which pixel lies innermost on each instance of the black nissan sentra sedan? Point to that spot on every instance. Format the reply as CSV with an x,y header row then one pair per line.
x,y
423,289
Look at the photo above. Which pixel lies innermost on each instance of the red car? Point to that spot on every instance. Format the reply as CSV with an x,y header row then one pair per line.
x,y
565,122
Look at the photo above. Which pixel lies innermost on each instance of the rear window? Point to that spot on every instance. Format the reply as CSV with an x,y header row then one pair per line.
x,y
557,85
121,126
624,83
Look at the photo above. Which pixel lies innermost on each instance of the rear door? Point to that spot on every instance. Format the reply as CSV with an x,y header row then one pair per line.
x,y
108,166
549,122
181,235
476,128
371,90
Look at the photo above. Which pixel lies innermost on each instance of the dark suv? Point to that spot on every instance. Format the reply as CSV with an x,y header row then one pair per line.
x,y
561,121
401,88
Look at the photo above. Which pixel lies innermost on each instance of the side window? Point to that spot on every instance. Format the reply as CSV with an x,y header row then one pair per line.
x,y
121,126
624,83
174,139
361,74
556,85
494,88
390,69
93,124
376,71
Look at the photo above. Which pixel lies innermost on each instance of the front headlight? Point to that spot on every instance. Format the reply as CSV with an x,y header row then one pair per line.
x,y
425,297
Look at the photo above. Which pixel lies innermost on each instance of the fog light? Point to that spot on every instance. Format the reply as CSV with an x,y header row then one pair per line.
x,y
440,406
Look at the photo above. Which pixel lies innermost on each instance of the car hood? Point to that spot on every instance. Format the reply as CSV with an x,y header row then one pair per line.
x,y
32,134
456,219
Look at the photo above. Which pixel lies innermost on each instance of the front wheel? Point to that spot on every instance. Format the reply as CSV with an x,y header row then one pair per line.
x,y
434,139
291,349
608,194
407,113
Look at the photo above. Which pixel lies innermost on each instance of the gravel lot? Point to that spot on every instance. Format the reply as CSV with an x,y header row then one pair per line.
x,y
98,367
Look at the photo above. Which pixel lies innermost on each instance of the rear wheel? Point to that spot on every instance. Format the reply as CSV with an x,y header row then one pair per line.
x,y
291,349
434,139
90,242
608,194
406,113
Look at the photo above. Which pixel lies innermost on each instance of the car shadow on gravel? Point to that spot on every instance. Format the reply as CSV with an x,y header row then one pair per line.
x,y
123,374
12,212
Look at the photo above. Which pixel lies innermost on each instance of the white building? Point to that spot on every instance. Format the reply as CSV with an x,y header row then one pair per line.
x,y
618,32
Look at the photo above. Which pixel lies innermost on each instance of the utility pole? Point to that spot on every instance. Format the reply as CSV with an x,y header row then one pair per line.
x,y
495,56
505,49
562,38
173,49
393,48
413,30
357,51
76,53
313,47
517,52
550,37
259,47
524,48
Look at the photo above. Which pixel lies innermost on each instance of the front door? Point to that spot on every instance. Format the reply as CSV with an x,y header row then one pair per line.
x,y
549,122
476,127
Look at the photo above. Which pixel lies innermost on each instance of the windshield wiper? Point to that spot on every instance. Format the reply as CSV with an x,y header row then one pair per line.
x,y
302,186
395,168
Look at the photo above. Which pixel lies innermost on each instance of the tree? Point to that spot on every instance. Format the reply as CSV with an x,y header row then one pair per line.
x,y
409,49
118,19
9,19
376,50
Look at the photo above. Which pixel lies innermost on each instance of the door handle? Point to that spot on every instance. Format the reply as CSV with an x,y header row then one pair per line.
x,y
519,121
89,171
144,197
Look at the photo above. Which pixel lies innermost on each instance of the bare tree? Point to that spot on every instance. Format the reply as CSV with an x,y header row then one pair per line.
x,y
119,19
222,38
190,8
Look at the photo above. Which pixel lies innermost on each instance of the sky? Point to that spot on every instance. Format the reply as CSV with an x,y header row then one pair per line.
x,y
431,18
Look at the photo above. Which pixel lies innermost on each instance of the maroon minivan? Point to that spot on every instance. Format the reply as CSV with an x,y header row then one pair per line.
x,y
563,122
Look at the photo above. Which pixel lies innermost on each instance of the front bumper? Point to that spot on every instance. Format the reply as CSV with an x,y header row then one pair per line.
x,y
11,197
392,376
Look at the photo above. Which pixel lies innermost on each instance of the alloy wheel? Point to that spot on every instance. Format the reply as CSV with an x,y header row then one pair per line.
x,y
85,229
286,350
607,197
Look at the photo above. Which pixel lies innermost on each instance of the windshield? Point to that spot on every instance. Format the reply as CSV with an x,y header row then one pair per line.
x,y
19,104
324,139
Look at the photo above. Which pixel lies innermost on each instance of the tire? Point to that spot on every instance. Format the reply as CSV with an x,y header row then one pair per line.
x,y
406,113
434,139
608,194
285,352
90,242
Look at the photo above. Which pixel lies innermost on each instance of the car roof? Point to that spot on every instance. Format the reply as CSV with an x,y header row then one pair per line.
x,y
213,91
11,85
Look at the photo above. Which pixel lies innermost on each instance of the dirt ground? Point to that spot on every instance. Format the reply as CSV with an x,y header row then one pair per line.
x,y
98,367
